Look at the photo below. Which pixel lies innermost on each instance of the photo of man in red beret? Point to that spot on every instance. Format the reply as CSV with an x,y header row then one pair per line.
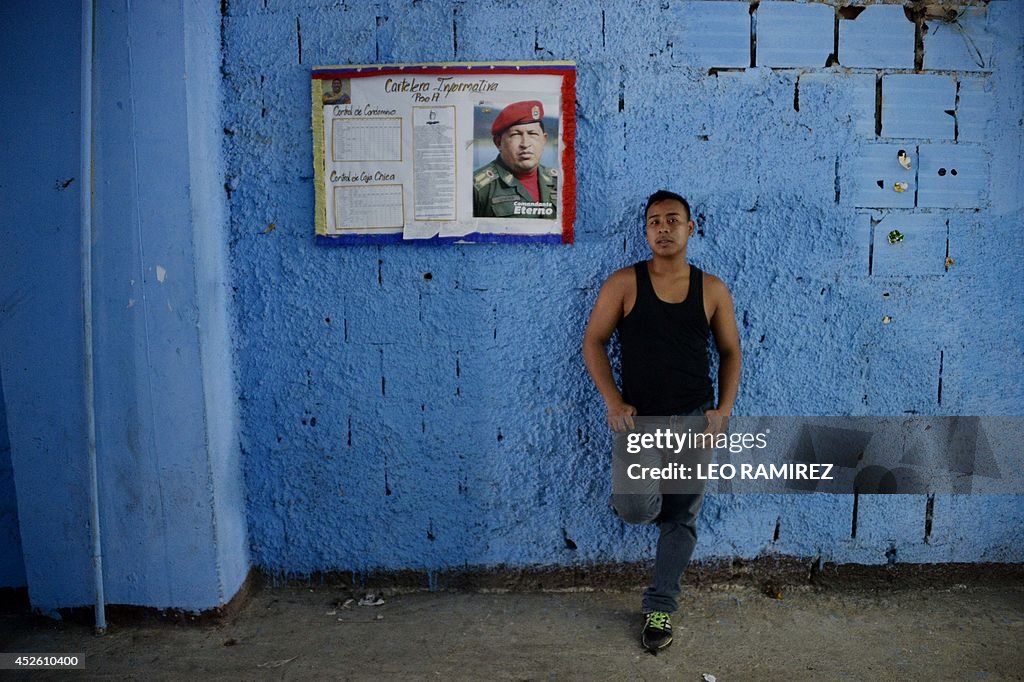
x,y
515,184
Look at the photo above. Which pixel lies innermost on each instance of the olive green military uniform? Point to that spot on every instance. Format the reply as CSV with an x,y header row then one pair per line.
x,y
498,194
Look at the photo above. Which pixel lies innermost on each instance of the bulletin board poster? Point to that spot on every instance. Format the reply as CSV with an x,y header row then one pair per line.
x,y
445,153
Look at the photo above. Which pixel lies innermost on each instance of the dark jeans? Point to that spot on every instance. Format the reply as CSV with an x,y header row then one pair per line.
x,y
676,516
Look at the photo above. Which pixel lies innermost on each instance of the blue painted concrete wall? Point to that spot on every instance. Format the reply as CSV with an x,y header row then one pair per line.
x,y
170,487
427,408
41,329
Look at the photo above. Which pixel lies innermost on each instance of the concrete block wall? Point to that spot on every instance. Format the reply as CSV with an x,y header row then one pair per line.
x,y
423,408
408,407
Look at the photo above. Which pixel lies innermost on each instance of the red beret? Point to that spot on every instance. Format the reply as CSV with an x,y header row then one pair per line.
x,y
518,113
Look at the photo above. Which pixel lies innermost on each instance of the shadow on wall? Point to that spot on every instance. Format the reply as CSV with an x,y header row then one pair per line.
x,y
12,566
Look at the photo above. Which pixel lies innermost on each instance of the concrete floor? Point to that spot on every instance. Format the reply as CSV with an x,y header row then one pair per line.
x,y
731,632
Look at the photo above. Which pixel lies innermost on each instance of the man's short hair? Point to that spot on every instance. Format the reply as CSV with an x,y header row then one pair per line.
x,y
665,195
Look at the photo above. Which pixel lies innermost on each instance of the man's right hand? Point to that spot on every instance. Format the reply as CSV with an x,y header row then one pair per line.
x,y
620,416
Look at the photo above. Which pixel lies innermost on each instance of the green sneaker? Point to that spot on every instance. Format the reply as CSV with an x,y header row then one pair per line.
x,y
657,633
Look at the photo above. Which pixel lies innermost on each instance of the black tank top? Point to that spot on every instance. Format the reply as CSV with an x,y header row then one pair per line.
x,y
665,367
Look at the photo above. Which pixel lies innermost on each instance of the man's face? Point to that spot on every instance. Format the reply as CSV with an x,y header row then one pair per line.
x,y
668,228
336,86
520,146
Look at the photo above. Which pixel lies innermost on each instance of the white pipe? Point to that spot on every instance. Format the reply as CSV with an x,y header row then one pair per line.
x,y
86,236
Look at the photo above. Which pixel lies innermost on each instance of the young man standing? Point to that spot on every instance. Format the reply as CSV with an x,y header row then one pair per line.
x,y
664,309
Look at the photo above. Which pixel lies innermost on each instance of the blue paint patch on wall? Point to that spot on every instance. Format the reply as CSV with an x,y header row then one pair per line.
x,y
918,106
41,298
393,420
953,176
876,179
707,35
819,91
791,34
974,105
921,250
881,36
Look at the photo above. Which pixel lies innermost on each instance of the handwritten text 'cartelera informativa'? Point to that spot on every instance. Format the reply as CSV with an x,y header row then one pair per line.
x,y
432,91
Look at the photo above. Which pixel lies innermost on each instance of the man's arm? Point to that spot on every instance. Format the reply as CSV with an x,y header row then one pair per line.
x,y
604,317
727,341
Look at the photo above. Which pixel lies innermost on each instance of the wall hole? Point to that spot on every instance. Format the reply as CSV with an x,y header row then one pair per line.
x,y
916,15
929,514
837,186
753,33
952,171
942,171
455,30
878,105
881,184
428,276
956,108
853,523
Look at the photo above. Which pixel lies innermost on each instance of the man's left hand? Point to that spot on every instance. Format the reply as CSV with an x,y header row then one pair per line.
x,y
718,422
